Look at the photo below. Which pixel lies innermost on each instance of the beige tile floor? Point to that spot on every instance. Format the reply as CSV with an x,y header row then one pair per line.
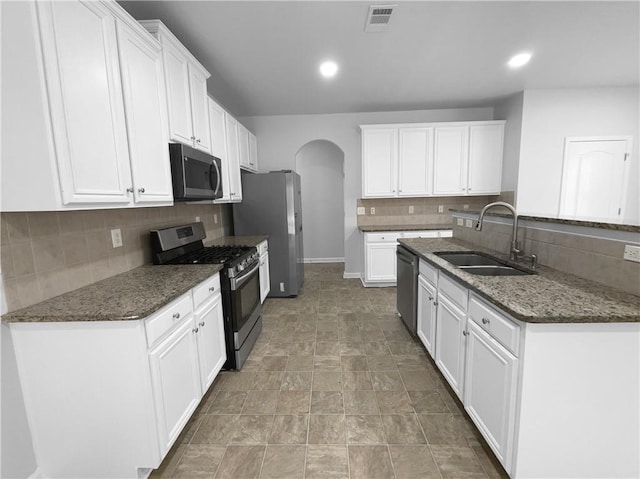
x,y
334,388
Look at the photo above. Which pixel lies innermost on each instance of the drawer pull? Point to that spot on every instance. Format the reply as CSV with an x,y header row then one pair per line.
x,y
485,321
176,315
212,289
201,324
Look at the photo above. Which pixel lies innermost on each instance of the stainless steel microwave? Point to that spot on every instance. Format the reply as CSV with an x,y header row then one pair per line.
x,y
195,174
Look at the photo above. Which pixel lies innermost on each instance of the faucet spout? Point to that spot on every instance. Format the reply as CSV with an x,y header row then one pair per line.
x,y
514,252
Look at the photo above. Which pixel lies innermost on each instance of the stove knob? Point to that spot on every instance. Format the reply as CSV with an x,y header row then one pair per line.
x,y
240,267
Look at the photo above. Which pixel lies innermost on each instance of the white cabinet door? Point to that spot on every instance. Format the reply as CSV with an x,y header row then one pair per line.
x,y
489,391
243,147
86,106
414,161
450,160
381,262
176,71
212,352
253,152
233,154
145,107
485,159
219,145
450,343
380,160
265,279
176,381
199,109
426,314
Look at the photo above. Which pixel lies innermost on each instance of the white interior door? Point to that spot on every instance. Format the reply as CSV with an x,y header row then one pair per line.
x,y
595,178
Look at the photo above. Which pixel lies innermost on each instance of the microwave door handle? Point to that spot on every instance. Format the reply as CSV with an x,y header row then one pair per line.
x,y
218,177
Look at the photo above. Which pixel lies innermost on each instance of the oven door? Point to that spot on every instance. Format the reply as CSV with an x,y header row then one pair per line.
x,y
245,303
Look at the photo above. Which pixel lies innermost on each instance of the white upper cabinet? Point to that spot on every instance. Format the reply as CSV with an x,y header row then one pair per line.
x,y
380,162
432,159
145,107
87,109
85,101
186,82
253,152
233,156
243,147
224,146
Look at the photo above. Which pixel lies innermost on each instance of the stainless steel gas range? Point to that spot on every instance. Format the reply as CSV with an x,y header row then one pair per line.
x,y
239,281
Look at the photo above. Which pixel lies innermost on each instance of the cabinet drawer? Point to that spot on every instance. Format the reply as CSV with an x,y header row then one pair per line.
x,y
263,248
429,272
379,237
453,291
505,331
420,234
206,290
163,321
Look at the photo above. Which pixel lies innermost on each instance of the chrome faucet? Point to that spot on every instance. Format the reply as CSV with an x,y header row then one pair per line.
x,y
515,251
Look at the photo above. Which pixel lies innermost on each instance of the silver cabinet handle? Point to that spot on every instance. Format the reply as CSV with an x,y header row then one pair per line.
x,y
212,289
193,137
195,330
176,315
465,333
140,190
130,189
198,140
485,321
201,324
430,298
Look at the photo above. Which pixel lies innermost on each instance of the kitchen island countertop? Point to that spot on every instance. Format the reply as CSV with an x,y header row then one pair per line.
x,y
550,296
131,295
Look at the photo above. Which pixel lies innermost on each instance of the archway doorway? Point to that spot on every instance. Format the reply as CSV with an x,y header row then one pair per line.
x,y
320,164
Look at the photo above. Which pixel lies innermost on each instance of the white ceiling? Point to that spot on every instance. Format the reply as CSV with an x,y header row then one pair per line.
x,y
263,56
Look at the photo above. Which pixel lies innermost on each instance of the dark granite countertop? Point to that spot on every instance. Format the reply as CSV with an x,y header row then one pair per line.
x,y
236,241
414,227
550,296
588,224
134,294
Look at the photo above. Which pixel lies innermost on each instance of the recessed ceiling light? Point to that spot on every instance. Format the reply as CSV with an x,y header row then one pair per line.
x,y
519,60
328,69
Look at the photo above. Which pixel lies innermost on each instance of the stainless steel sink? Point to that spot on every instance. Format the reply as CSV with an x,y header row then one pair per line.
x,y
494,270
480,264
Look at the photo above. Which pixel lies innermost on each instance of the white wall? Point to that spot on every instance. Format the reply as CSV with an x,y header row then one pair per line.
x,y
510,109
280,137
320,165
551,115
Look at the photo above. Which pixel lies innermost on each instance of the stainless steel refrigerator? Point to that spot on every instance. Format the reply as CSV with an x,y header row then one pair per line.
x,y
272,205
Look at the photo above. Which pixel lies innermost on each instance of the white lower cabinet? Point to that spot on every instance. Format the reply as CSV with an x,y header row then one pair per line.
x,y
450,342
176,382
489,390
265,277
124,387
427,314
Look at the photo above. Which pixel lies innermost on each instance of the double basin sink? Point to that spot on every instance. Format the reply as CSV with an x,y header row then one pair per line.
x,y
481,264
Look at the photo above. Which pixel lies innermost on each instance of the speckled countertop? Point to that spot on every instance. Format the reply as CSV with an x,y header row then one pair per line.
x,y
414,227
236,241
132,295
547,297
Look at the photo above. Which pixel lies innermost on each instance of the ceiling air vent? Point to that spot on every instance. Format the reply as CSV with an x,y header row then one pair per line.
x,y
378,18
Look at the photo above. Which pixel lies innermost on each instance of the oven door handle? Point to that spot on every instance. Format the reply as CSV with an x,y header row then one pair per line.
x,y
240,280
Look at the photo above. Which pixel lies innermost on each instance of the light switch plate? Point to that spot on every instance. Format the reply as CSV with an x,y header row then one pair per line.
x,y
632,253
468,223
440,208
215,218
460,221
197,219
411,210
466,207
372,210
361,210
116,237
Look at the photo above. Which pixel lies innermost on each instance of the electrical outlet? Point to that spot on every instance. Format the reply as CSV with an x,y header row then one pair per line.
x,y
440,208
361,210
411,209
460,221
468,223
116,238
197,219
282,287
632,253
215,218
372,210
466,207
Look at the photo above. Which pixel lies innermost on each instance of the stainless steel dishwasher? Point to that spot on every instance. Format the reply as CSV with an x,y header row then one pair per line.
x,y
407,288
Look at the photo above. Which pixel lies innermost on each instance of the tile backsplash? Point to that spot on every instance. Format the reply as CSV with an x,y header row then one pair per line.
x,y
581,252
395,211
45,254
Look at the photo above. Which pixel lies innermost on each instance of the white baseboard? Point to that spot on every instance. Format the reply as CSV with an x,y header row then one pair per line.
x,y
346,275
323,260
